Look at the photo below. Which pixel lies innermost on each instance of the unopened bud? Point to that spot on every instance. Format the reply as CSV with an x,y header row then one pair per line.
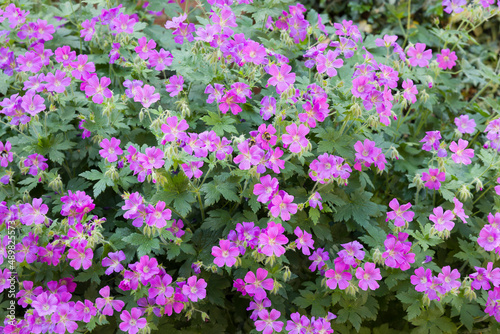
x,y
479,184
464,193
377,256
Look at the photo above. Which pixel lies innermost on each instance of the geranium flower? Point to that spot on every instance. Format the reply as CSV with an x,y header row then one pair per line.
x,y
368,276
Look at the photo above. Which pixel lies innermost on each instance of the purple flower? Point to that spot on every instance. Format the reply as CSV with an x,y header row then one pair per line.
x,y
110,149
431,140
489,238
304,241
465,125
418,56
34,214
268,109
434,178
400,215
112,260
58,82
352,251
160,60
192,169
329,63
280,77
422,279
338,277
318,258
368,276
175,85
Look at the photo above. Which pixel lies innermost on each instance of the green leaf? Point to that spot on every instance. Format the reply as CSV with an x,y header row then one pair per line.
x,y
144,244
220,123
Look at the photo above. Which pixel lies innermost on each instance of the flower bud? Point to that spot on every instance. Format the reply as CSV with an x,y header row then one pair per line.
x,y
287,274
417,180
479,184
351,289
377,257
464,193
355,111
469,293
394,153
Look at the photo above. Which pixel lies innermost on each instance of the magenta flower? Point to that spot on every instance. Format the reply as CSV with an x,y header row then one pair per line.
x,y
33,103
173,129
160,60
465,125
58,82
6,155
352,251
410,90
175,85
296,137
65,55
459,211
267,323
98,89
81,256
318,258
225,254
434,178
456,6
64,319
192,169
257,284
422,279
176,228
132,320
146,95
254,53
442,220
366,151
230,102
88,30
329,63
107,303
315,200
338,277
161,289
368,276
123,23
280,77
268,109
266,189
418,56
34,214
450,278
144,47
5,279
147,268
462,154
431,141
158,215
361,87
45,303
29,62
387,41
281,205
400,215
82,67
84,312
110,149
304,241
249,156
489,238
214,93
195,289
112,260
446,59
272,239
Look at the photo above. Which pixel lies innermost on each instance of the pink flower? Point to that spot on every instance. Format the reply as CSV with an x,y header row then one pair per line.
x,y
225,254
296,137
173,129
340,276
266,189
410,90
5,279
84,312
368,276
45,303
195,289
361,87
98,89
304,241
450,278
81,257
158,215
33,103
250,156
82,67
442,220
329,63
318,258
431,141
58,82
175,85
280,77
281,205
160,60
147,268
459,211
161,289
6,155
192,169
456,6
132,321
88,30
462,154
400,215
315,200
422,279
107,302
145,47
465,125
434,178
352,251
418,56
446,59
110,149
65,55
34,214
271,240
489,238
257,284
146,96
267,323
112,260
